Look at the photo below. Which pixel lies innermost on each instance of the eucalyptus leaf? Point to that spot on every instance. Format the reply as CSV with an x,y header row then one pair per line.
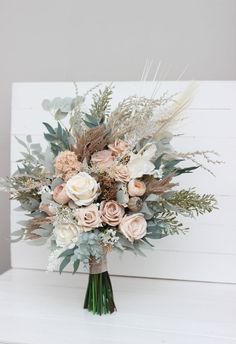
x,y
50,137
59,115
29,138
21,142
76,266
46,104
56,182
68,252
64,263
49,128
37,242
18,232
42,232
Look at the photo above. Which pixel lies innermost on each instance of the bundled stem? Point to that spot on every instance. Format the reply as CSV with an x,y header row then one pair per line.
x,y
99,296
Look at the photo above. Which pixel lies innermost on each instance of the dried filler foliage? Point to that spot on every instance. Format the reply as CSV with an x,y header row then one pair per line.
x,y
158,187
91,141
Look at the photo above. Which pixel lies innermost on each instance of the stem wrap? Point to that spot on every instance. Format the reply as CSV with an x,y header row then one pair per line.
x,y
98,267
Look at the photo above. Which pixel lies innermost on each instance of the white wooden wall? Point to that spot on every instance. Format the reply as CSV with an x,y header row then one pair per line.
x,y
208,251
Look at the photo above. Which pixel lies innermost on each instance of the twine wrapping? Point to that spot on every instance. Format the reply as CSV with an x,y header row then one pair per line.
x,y
98,267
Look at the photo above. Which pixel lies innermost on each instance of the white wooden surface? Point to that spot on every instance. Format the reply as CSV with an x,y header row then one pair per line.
x,y
208,251
41,308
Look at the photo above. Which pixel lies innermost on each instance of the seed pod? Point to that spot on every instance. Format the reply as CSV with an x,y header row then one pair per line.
x,y
135,204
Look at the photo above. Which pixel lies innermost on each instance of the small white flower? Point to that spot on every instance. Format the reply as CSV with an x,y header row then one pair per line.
x,y
109,237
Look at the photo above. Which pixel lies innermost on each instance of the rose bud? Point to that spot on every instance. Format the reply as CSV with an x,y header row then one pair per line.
x,y
136,188
60,195
135,204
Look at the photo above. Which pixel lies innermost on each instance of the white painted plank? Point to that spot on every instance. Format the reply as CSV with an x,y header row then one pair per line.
x,y
47,308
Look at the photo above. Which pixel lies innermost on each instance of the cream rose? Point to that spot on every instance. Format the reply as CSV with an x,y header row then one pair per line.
x,y
133,227
121,173
66,234
136,188
82,189
118,147
59,194
111,213
88,217
102,159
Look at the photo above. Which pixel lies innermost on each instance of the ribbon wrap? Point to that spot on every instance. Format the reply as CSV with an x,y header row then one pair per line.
x,y
98,266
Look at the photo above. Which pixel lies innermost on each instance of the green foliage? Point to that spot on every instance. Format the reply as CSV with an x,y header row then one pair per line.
x,y
190,203
89,244
64,263
76,265
155,229
58,107
90,121
100,106
68,252
170,223
18,234
58,138
31,164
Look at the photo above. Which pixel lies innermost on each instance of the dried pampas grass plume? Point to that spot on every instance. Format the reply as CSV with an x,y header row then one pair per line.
x,y
176,111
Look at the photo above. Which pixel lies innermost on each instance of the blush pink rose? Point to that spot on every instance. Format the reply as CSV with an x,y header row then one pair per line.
x,y
102,159
121,174
47,208
111,213
133,227
59,194
88,216
136,188
118,147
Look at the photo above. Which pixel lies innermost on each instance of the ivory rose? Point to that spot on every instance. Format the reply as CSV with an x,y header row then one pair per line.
x,y
59,194
82,189
111,213
133,227
66,234
118,147
88,217
136,188
102,159
121,173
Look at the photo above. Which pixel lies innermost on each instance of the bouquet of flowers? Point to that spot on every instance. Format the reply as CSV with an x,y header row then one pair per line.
x,y
107,181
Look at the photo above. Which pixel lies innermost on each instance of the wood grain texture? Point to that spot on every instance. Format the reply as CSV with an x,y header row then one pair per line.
x,y
208,251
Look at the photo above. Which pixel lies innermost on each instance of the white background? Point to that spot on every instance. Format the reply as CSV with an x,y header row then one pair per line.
x,y
208,251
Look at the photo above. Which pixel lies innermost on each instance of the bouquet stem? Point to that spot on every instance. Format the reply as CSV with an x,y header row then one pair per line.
x,y
99,296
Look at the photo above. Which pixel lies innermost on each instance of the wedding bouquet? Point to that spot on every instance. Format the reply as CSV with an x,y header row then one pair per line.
x,y
107,181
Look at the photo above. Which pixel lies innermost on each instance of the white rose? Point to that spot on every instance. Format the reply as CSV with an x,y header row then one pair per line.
x,y
82,189
66,234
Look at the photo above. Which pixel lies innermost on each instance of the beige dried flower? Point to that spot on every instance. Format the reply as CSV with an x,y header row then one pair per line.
x,y
67,165
135,204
